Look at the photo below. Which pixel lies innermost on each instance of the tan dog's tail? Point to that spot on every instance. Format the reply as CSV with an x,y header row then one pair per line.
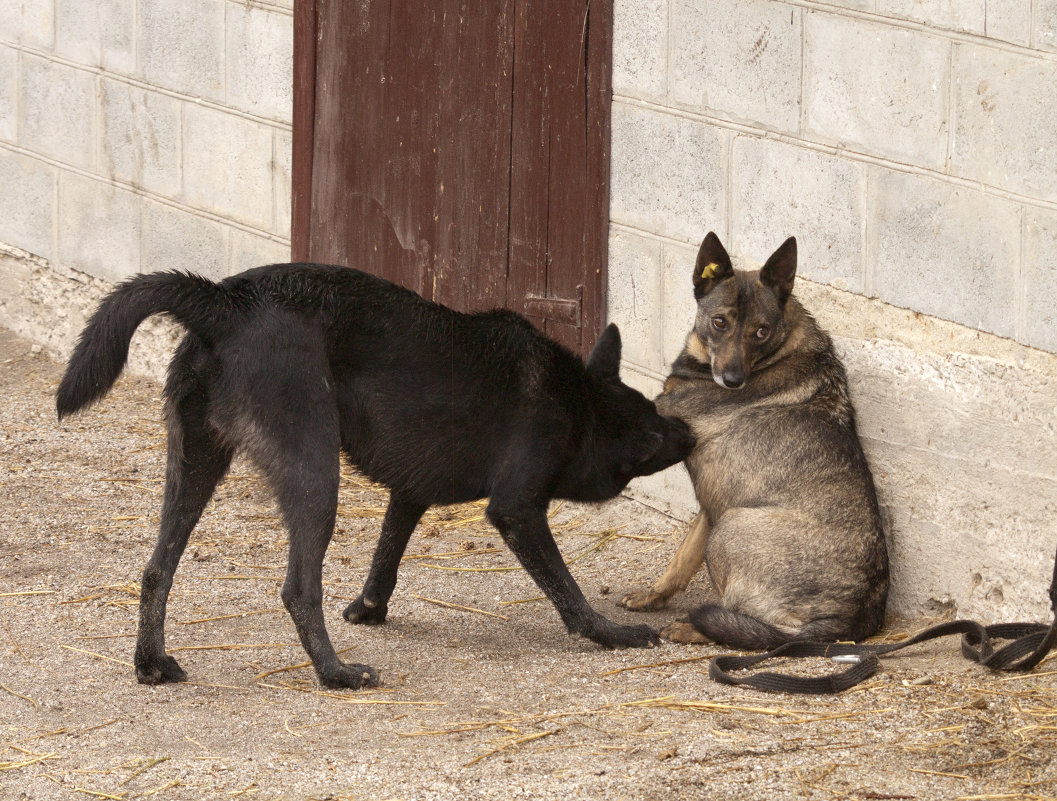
x,y
748,633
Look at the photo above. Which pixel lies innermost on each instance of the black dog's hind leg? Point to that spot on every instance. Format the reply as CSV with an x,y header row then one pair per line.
x,y
306,475
196,462
373,604
525,531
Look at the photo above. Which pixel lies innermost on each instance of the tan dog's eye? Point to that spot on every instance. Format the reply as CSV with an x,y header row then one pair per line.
x,y
719,323
763,332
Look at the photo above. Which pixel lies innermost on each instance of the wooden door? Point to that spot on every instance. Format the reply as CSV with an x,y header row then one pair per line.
x,y
460,149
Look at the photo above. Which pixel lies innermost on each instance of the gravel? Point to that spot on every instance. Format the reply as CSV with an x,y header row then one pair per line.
x,y
489,698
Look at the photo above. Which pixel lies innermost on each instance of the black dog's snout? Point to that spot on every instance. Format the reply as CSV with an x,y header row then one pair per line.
x,y
682,437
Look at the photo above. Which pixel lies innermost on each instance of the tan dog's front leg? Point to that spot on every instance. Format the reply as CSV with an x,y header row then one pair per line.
x,y
688,558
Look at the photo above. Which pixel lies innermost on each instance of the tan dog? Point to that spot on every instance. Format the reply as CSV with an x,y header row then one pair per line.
x,y
789,523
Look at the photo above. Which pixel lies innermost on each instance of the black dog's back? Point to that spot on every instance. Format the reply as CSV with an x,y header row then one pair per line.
x,y
426,397
295,363
408,373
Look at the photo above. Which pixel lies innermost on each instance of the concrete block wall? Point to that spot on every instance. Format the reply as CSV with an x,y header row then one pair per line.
x,y
909,147
907,144
137,135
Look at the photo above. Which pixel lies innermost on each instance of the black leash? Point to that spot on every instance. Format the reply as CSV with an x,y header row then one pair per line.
x,y
1030,644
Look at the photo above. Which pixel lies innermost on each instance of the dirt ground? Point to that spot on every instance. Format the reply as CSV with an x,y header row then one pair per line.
x,y
483,694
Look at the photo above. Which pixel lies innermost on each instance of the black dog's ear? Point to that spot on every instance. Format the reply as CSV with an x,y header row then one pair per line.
x,y
604,360
713,265
780,270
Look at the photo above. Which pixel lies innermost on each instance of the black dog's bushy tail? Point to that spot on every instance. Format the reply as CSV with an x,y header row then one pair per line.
x,y
748,633
102,350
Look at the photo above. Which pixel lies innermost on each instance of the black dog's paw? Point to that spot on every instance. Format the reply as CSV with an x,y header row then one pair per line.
x,y
614,635
359,612
159,671
351,677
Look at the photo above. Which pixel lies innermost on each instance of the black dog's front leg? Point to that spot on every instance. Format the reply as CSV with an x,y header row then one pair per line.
x,y
525,531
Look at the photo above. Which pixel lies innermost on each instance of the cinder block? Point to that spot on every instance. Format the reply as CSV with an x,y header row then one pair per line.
x,y
1044,35
1039,278
668,173
857,5
97,33
117,41
679,309
930,422
57,109
876,88
282,176
1008,20
955,404
250,250
176,240
640,48
77,31
969,537
227,165
780,190
140,140
28,22
10,21
945,250
8,93
738,59
27,203
181,45
1004,107
260,61
99,228
633,299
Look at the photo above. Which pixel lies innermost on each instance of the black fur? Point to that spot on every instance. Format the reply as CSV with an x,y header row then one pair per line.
x,y
295,364
736,629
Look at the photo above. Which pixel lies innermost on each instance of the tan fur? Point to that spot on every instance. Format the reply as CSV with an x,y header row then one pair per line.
x,y
696,348
789,525
687,560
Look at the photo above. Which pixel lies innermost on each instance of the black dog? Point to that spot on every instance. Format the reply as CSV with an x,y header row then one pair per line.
x,y
296,363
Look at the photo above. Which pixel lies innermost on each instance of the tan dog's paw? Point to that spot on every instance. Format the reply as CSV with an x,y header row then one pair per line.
x,y
684,634
649,601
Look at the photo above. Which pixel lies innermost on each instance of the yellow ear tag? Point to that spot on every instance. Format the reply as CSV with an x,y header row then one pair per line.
x,y
710,270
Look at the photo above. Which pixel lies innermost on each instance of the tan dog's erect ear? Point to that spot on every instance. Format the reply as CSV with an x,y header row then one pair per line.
x,y
780,270
713,265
